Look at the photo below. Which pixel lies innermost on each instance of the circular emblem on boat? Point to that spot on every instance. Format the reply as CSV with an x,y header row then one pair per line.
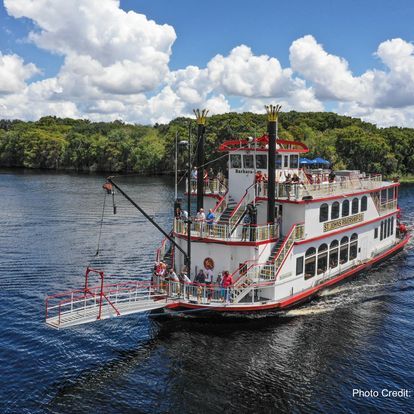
x,y
208,263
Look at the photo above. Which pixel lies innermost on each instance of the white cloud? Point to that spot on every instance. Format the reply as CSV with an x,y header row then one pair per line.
x,y
115,66
244,74
329,74
128,52
14,73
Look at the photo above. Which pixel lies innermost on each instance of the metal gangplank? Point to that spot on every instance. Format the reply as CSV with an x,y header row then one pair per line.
x,y
90,304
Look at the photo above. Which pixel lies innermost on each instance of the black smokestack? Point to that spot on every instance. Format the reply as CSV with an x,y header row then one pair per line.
x,y
272,116
200,159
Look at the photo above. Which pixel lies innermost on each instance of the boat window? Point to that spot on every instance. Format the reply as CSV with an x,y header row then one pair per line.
x,y
248,161
343,252
279,161
333,254
355,206
323,213
322,258
335,210
376,233
294,161
344,240
353,249
364,203
261,162
235,161
286,161
392,226
354,237
388,227
391,194
310,263
382,230
345,208
299,265
383,196
323,248
310,251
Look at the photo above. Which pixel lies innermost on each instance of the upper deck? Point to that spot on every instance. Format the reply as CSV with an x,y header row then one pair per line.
x,y
323,188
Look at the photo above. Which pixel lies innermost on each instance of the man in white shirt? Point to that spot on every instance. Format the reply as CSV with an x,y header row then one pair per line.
x,y
200,220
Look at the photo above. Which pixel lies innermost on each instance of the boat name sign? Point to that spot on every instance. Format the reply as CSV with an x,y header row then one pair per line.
x,y
342,222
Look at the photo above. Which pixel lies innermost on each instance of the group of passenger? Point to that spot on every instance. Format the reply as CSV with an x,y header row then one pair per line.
x,y
210,177
204,278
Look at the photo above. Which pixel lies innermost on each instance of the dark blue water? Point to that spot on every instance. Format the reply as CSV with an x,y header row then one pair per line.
x,y
360,336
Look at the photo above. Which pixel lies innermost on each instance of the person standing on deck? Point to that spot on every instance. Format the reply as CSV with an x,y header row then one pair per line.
x,y
227,282
258,179
193,179
246,225
200,219
210,221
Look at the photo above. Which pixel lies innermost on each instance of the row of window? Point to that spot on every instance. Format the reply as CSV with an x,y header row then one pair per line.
x,y
388,194
386,229
247,161
336,208
317,261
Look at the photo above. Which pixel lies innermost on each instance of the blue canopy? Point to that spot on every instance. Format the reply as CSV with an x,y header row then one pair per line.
x,y
320,161
305,161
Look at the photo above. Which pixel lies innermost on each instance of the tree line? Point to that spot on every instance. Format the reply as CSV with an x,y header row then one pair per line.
x,y
82,145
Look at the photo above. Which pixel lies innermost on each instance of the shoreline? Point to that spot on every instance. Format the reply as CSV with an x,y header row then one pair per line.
x,y
404,179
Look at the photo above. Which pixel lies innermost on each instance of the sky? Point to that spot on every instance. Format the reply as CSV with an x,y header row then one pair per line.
x,y
148,61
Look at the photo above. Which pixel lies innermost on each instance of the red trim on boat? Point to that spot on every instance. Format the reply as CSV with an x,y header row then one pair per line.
x,y
344,275
300,296
242,144
315,200
230,243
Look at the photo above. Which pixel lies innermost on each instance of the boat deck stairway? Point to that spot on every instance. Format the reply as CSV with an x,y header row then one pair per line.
x,y
249,277
225,215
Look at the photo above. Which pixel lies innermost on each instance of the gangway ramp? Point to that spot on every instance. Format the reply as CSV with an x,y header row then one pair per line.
x,y
90,304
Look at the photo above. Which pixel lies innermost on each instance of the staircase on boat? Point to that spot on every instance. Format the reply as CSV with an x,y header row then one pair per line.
x,y
258,274
225,215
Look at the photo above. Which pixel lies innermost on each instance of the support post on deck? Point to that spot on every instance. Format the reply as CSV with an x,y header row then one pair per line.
x,y
272,118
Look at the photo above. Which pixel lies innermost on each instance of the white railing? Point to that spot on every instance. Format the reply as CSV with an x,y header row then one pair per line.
x,y
297,191
100,302
226,232
388,206
258,272
214,186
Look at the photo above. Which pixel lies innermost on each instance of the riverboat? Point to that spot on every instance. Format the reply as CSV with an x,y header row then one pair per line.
x,y
279,232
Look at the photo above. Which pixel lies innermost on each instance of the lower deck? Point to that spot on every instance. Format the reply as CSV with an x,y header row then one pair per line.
x,y
81,307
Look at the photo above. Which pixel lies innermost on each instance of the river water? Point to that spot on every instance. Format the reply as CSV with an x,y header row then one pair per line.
x,y
358,336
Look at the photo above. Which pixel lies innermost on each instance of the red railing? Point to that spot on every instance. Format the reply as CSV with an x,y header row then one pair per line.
x,y
241,201
219,204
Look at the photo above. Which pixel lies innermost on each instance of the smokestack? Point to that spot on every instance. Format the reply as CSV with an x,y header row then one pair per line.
x,y
201,117
272,117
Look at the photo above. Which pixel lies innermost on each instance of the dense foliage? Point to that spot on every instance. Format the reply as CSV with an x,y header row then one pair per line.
x,y
82,145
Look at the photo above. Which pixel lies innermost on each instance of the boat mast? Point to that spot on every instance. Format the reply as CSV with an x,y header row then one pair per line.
x,y
201,117
272,117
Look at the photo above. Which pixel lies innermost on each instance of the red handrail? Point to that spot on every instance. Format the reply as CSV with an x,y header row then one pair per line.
x,y
241,200
220,202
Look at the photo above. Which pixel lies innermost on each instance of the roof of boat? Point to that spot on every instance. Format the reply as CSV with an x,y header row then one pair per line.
x,y
260,144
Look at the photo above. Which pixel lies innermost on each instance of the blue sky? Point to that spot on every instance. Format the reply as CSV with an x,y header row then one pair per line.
x,y
332,55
